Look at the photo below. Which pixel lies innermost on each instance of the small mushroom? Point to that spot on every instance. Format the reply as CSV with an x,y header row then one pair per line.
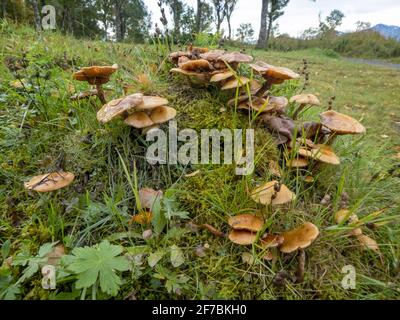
x,y
272,193
50,181
284,195
242,237
304,100
139,120
299,238
84,95
233,58
151,102
321,153
270,240
247,222
119,107
212,55
340,123
221,76
234,83
162,114
196,65
269,105
96,75
201,77
368,243
148,196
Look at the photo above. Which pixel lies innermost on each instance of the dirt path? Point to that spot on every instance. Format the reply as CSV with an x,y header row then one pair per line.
x,y
375,63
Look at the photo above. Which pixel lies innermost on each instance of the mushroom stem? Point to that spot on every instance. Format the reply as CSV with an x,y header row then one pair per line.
x,y
298,110
100,93
265,87
300,267
331,139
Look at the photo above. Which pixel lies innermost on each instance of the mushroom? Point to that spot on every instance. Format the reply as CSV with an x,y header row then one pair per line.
x,y
242,237
234,83
322,153
139,120
221,76
162,114
84,95
119,107
270,105
247,222
272,75
96,75
272,193
212,55
340,123
344,215
368,243
299,238
50,181
303,100
196,65
234,58
201,77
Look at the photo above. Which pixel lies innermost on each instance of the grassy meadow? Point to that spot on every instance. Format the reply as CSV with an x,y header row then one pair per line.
x,y
41,128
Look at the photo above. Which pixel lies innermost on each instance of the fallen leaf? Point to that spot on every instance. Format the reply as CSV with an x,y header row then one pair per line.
x,y
213,230
192,174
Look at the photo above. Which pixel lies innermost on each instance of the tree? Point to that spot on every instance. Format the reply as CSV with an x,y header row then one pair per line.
x,y
198,16
104,12
334,19
204,16
262,37
274,13
176,8
245,32
361,26
36,15
229,7
219,11
4,8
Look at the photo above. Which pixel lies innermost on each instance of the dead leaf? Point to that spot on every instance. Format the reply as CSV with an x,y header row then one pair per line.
x,y
192,174
213,230
143,217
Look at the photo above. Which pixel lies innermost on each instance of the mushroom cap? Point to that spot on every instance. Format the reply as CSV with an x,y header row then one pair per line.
x,y
116,108
198,50
271,71
139,120
271,104
95,74
247,222
368,243
151,102
50,181
270,240
182,60
148,196
341,123
234,83
324,153
284,195
264,193
305,99
299,238
200,76
235,57
162,114
242,237
298,162
84,95
196,65
221,76
212,55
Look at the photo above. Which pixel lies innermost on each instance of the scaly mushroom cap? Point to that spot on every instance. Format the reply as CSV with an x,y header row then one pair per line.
x,y
95,74
84,95
151,102
221,76
299,238
212,55
118,107
341,123
270,71
270,240
242,237
50,181
162,114
139,120
196,65
235,57
309,99
247,222
234,83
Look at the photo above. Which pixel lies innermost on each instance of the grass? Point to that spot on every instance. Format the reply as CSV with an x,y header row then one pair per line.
x,y
39,124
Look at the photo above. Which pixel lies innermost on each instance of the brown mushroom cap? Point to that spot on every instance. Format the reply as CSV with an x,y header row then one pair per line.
x,y
321,153
200,76
284,195
270,240
309,99
299,238
368,243
298,162
182,60
84,95
221,76
341,123
151,102
162,114
234,83
95,74
196,65
270,71
264,193
248,222
139,120
50,181
118,107
242,237
212,55
235,57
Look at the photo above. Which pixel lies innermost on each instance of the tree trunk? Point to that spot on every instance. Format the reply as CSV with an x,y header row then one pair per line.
x,y
119,20
262,37
228,19
36,15
198,16
270,22
4,8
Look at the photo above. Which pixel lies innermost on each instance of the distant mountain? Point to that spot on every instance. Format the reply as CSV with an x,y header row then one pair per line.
x,y
388,31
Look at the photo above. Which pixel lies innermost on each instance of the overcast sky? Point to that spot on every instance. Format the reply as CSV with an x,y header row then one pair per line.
x,y
303,14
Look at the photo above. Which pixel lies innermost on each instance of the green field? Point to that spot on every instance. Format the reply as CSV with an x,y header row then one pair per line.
x,y
40,126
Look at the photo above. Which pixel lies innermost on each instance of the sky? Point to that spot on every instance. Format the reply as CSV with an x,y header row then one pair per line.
x,y
303,14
